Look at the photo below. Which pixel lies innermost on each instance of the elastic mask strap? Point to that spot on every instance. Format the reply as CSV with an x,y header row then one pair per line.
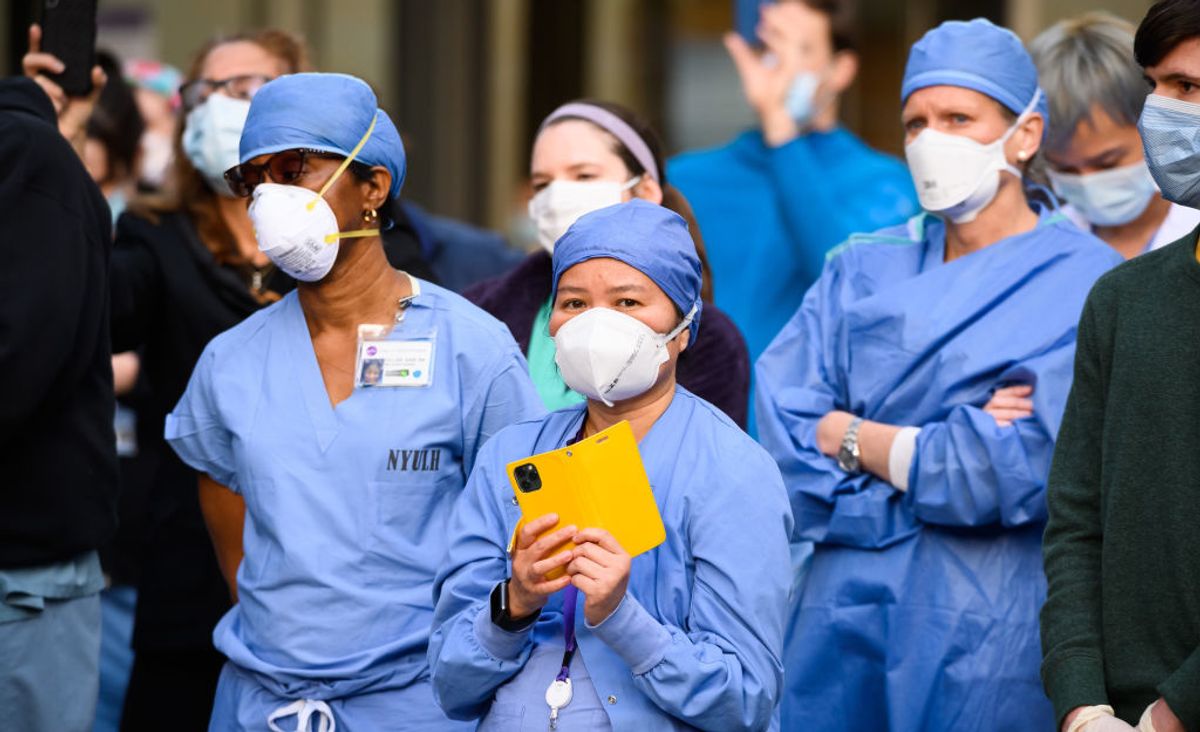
x,y
357,233
687,321
632,182
1037,95
345,164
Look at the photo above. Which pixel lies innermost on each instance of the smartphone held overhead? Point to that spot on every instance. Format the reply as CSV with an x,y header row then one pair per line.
x,y
69,33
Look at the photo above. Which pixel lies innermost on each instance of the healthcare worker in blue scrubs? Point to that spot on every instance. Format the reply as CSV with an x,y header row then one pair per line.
x,y
686,636
345,488
912,404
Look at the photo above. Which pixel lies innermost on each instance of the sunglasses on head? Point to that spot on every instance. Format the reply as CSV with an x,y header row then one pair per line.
x,y
284,167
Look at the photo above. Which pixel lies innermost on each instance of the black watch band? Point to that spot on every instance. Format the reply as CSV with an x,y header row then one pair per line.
x,y
502,618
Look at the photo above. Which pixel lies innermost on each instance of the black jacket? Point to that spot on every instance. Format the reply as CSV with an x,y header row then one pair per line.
x,y
58,463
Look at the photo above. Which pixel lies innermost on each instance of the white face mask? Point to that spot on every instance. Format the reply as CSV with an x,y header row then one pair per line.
x,y
610,356
562,202
211,136
297,229
1110,197
157,154
955,176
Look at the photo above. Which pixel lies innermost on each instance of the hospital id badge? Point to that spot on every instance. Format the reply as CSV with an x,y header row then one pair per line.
x,y
393,357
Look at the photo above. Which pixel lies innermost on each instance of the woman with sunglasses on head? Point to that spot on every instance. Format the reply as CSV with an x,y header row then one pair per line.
x,y
588,155
328,496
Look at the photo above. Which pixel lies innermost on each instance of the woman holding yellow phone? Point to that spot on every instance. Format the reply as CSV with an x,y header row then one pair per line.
x,y
688,635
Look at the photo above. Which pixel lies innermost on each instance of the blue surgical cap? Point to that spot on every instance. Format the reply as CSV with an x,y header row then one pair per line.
x,y
326,112
651,239
975,55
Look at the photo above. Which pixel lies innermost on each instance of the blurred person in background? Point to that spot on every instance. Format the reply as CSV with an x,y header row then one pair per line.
x,y
111,155
773,201
1121,625
588,155
58,494
1096,92
156,89
912,404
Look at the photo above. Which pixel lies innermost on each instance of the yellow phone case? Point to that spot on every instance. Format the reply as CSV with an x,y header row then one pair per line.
x,y
598,482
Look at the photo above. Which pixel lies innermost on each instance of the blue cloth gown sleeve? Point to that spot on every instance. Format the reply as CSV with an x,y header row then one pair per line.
x,y
967,471
796,387
724,671
195,428
464,672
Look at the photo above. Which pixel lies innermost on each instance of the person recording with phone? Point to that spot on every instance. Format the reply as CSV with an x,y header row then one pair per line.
x,y
58,497
687,635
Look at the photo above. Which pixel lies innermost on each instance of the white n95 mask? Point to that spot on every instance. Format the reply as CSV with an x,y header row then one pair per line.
x,y
211,135
955,176
1109,197
610,356
297,229
562,202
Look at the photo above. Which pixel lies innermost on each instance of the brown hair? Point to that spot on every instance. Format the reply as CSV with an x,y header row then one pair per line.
x,y
186,190
841,22
673,199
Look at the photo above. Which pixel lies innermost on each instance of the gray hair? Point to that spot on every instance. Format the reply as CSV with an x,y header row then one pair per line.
x,y
1086,61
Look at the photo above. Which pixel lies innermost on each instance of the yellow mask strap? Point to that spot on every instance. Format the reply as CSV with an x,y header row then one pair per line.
x,y
331,238
345,164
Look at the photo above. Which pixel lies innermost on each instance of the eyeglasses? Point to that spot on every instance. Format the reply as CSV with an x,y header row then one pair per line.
x,y
194,93
284,167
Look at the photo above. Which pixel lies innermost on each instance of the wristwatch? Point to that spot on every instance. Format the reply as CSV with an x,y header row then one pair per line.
x,y
848,456
502,618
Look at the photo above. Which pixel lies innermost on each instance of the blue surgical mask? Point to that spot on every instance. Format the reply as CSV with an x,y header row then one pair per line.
x,y
1110,197
801,98
211,135
1171,137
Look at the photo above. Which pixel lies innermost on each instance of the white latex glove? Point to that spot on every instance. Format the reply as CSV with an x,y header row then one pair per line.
x,y
1098,719
1146,724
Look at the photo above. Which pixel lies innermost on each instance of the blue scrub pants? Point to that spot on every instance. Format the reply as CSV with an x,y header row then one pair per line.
x,y
117,605
244,704
50,667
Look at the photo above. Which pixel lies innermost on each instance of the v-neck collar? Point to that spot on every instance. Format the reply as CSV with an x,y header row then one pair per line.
x,y
321,411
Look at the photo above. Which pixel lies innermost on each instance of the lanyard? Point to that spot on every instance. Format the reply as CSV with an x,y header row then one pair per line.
x,y
570,598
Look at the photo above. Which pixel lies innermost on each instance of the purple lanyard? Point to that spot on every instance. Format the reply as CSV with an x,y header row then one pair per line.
x,y
570,599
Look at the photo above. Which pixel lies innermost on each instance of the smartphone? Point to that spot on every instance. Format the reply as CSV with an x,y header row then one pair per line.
x,y
598,482
745,19
69,32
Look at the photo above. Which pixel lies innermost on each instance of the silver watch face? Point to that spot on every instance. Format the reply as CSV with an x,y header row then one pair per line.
x,y
847,460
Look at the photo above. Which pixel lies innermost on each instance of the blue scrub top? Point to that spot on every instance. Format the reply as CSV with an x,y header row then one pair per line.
x,y
769,215
346,507
696,641
920,611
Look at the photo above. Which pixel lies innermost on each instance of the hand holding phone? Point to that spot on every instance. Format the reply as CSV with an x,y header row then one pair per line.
x,y
72,112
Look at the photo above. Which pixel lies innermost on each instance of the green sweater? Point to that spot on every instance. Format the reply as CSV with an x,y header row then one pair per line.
x,y
1121,624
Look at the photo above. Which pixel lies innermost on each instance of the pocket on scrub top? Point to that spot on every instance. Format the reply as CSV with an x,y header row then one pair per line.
x,y
411,515
503,717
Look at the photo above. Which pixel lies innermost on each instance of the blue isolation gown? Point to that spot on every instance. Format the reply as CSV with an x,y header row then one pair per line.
x,y
697,640
769,214
346,507
920,609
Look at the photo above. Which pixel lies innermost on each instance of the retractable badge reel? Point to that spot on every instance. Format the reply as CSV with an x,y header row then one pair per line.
x,y
395,355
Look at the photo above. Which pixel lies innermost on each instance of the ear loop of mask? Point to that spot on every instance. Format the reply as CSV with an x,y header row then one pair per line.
x,y
331,238
1024,115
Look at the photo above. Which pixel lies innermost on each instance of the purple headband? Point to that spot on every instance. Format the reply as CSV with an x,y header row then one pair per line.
x,y
612,124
